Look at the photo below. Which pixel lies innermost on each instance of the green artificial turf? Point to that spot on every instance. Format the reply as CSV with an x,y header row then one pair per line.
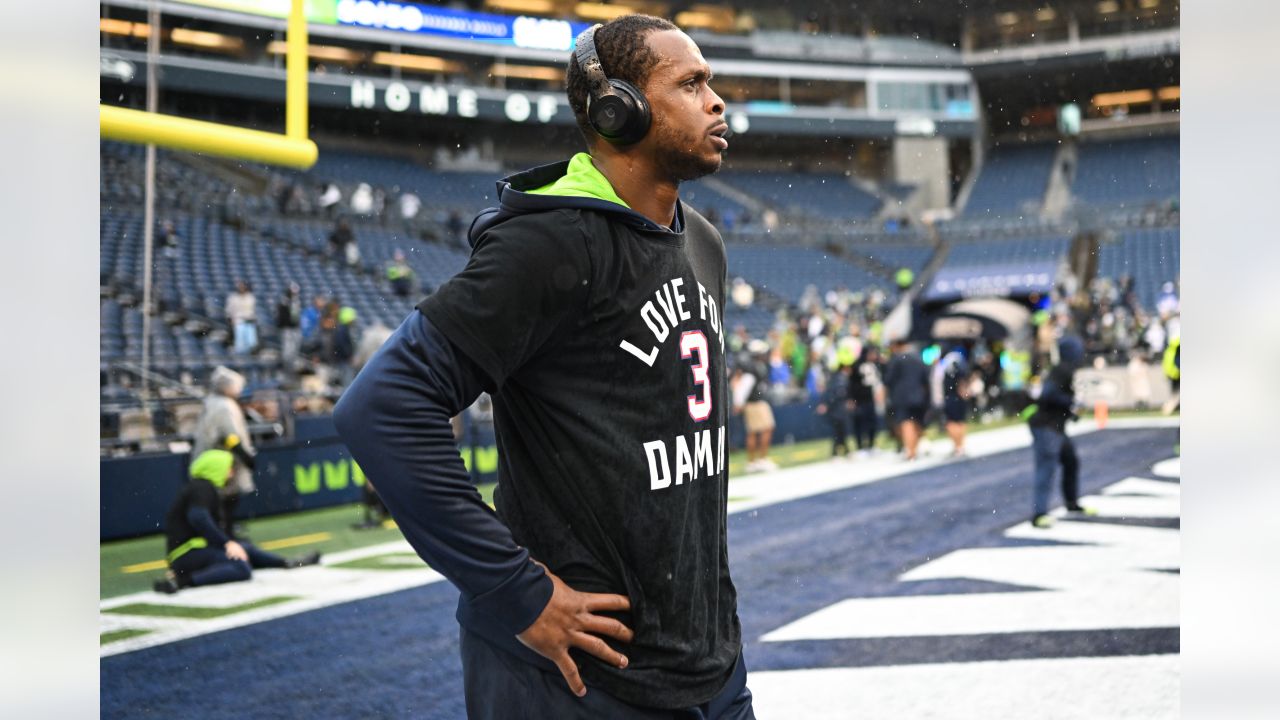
x,y
117,635
129,566
119,561
389,561
195,612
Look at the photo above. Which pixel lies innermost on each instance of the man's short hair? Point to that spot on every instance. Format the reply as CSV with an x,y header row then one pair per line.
x,y
624,55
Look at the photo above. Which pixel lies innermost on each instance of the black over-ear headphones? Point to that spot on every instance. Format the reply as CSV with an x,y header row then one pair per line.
x,y
616,110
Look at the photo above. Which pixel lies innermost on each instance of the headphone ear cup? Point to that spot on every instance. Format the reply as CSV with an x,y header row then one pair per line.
x,y
610,116
638,116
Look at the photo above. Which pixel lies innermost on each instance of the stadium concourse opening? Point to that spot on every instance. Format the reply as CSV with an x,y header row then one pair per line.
x,y
982,180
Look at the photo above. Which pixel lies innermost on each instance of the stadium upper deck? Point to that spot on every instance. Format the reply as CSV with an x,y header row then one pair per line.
x,y
833,115
857,91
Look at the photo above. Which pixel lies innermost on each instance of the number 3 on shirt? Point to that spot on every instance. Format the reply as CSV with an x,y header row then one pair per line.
x,y
700,404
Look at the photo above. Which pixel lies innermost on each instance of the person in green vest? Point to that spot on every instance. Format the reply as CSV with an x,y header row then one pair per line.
x,y
1015,376
400,275
198,551
1173,370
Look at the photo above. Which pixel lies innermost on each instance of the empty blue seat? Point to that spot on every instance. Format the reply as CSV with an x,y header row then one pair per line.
x,y
1012,181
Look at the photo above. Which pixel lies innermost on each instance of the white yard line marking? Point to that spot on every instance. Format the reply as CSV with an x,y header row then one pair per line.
x,y
1106,578
1168,468
314,588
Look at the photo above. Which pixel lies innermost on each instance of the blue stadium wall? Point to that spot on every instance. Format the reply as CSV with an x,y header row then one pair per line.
x,y
317,472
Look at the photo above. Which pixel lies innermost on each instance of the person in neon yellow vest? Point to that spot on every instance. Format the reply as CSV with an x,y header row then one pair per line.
x,y
199,552
1172,363
400,275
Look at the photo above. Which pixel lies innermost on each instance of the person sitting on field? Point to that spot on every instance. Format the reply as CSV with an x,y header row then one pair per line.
x,y
199,552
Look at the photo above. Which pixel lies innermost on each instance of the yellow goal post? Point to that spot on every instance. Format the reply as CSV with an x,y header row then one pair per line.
x,y
292,149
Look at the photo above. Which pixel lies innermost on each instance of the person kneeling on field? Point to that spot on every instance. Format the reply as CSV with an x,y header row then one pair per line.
x,y
199,552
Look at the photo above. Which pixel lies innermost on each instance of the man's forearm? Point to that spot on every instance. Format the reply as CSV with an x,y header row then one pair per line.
x,y
202,522
1053,396
395,420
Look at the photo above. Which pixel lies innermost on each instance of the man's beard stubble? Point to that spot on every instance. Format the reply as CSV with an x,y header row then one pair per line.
x,y
677,161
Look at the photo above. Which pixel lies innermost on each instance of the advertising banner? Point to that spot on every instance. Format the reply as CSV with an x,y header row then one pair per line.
x,y
136,491
521,31
318,11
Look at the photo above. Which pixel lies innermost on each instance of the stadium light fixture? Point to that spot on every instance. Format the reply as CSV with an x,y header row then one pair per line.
x,y
112,26
411,61
178,36
1106,7
600,11
530,7
709,17
1173,92
332,53
211,40
1046,14
1126,97
699,20
1007,18
527,72
1148,4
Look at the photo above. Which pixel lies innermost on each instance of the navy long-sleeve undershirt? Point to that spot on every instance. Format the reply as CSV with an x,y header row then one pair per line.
x,y
201,520
394,418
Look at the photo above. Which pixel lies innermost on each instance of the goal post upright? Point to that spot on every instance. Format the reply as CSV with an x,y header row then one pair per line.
x,y
291,149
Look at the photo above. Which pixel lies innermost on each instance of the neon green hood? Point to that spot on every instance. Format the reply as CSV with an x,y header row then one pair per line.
x,y
213,465
573,184
582,179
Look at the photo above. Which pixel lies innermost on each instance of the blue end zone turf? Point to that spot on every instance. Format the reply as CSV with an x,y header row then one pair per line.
x,y
396,655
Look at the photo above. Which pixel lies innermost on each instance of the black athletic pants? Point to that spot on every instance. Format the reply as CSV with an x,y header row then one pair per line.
x,y
499,686
864,425
839,433
211,566
1052,448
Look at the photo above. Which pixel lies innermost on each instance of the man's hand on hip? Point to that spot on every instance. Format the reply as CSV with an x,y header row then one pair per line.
x,y
568,621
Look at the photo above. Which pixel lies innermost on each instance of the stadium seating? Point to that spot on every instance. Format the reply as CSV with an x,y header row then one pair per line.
x,y
823,195
270,251
757,320
213,257
1127,172
1012,181
1001,252
1150,255
703,197
786,272
894,256
467,192
178,185
431,262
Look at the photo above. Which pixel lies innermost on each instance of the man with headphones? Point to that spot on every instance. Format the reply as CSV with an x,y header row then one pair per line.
x,y
591,311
